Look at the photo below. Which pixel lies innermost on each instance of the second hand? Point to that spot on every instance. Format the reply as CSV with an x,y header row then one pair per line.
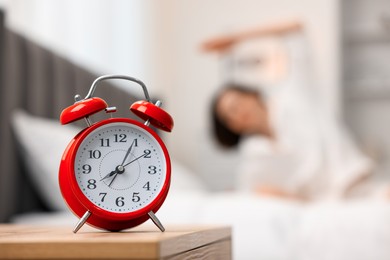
x,y
109,185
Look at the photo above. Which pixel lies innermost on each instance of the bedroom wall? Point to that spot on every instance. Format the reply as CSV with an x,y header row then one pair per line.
x,y
366,81
104,36
158,41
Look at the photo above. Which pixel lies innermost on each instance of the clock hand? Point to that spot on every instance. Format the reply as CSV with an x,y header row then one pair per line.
x,y
108,175
128,152
113,179
121,169
118,170
145,154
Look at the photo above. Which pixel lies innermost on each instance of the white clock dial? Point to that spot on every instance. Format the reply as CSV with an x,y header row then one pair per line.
x,y
120,167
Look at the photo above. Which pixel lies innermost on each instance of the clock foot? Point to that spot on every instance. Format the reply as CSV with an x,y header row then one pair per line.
x,y
82,221
156,221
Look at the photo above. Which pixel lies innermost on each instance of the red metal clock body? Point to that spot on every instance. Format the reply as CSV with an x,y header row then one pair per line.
x,y
115,174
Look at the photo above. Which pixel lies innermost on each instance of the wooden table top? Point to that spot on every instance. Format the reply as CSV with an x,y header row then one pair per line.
x,y
143,242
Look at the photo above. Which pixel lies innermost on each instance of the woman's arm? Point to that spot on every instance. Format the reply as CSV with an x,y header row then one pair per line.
x,y
277,192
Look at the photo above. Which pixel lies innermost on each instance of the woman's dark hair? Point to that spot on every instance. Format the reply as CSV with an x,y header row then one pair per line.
x,y
225,136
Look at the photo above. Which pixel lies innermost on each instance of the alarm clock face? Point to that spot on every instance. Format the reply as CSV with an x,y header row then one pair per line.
x,y
120,167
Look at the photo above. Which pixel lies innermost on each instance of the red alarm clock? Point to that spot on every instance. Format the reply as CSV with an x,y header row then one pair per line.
x,y
115,174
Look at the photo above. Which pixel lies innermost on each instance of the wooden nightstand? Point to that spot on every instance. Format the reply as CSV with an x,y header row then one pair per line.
x,y
144,242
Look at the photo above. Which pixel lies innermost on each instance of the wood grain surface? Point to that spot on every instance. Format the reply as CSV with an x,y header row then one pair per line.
x,y
144,242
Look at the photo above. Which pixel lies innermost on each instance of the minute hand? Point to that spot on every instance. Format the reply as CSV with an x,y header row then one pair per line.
x,y
128,152
135,159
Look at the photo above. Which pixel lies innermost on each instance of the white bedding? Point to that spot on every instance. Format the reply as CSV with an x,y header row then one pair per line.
x,y
266,228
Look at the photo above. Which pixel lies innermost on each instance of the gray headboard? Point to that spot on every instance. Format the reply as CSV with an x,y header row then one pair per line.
x,y
42,83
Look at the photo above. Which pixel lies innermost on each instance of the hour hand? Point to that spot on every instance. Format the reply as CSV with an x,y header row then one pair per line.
x,y
108,175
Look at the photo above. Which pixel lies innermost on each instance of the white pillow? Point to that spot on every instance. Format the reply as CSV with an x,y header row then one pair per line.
x,y
43,142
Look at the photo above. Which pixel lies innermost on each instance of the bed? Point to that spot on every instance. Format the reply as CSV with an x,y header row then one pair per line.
x,y
36,84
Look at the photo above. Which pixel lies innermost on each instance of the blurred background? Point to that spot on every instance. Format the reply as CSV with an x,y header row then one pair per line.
x,y
160,42
185,50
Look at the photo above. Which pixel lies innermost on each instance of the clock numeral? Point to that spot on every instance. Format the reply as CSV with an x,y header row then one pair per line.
x,y
147,186
86,168
94,154
147,154
104,142
121,138
91,184
120,201
103,194
152,169
136,198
